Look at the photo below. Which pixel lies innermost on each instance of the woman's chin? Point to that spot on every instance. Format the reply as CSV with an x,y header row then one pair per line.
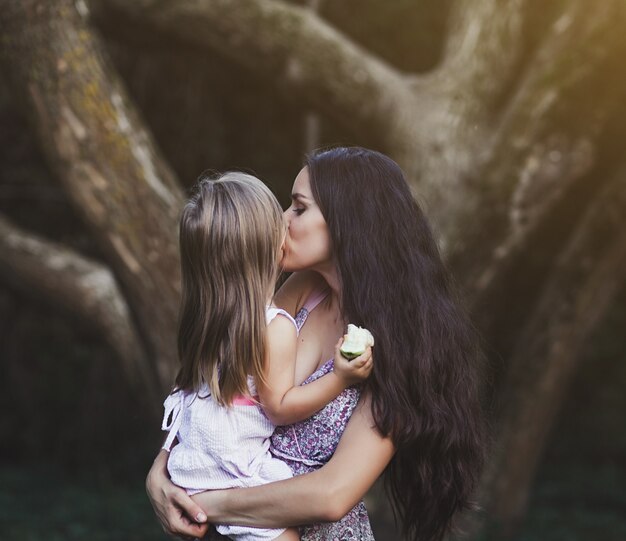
x,y
291,263
286,261
287,265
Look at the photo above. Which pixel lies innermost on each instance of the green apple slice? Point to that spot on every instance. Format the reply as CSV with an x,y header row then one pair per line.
x,y
355,342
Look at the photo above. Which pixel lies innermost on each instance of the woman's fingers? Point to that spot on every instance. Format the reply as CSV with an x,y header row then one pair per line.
x,y
181,526
188,506
178,513
181,509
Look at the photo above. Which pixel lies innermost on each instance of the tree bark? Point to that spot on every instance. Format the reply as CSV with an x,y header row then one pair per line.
x,y
585,279
484,39
483,48
98,147
545,141
290,45
84,288
467,166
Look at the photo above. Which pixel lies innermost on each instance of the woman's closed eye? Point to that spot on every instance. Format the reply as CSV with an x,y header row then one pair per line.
x,y
298,210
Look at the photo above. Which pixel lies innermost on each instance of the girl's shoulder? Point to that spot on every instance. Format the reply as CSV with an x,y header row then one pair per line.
x,y
281,334
295,291
273,313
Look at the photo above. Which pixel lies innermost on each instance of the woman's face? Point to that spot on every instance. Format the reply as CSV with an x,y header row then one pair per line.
x,y
307,244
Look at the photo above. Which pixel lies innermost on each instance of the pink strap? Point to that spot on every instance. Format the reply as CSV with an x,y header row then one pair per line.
x,y
241,400
317,296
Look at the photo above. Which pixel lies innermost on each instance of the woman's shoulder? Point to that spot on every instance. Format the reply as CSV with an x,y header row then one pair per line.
x,y
296,290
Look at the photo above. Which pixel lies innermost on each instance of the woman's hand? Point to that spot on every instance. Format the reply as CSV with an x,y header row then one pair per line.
x,y
173,507
324,495
356,370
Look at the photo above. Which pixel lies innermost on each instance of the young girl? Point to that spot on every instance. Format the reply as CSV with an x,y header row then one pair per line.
x,y
237,352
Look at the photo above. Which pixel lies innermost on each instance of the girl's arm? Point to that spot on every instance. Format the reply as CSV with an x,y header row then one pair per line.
x,y
285,403
324,495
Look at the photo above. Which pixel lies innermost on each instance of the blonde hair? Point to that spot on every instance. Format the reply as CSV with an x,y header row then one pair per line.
x,y
231,230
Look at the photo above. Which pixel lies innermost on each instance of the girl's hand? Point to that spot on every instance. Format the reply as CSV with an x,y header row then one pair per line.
x,y
173,507
356,370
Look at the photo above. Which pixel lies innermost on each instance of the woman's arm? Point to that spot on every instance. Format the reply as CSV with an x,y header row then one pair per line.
x,y
325,495
285,403
171,503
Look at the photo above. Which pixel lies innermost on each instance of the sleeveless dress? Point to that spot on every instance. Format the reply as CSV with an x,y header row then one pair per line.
x,y
307,445
222,447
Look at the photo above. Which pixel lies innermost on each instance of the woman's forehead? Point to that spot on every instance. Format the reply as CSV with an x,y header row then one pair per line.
x,y
302,185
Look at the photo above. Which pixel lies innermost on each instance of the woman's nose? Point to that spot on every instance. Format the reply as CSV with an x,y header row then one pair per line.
x,y
286,217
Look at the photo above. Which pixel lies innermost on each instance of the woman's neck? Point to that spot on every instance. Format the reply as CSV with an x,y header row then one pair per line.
x,y
331,277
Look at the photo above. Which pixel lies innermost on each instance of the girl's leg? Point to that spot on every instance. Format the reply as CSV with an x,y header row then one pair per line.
x,y
290,534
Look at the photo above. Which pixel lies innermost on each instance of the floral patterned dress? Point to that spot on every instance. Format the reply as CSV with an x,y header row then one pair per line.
x,y
307,445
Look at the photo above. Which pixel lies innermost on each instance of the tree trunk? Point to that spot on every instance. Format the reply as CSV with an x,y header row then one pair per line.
x,y
492,177
84,288
292,46
585,279
470,163
97,146
544,142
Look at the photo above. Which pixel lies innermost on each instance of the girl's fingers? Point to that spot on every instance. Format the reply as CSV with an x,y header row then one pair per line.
x,y
364,365
364,357
369,364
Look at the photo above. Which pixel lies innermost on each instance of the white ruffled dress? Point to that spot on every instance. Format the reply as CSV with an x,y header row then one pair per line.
x,y
220,447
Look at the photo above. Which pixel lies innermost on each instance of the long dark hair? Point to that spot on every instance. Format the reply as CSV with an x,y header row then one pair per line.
x,y
425,385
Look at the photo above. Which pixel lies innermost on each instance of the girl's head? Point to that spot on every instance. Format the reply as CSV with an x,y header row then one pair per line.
x,y
359,216
231,235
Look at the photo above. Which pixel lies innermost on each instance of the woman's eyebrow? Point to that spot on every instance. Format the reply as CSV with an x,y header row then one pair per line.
x,y
297,195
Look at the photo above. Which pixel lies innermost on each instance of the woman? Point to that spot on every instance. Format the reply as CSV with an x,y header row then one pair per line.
x,y
356,232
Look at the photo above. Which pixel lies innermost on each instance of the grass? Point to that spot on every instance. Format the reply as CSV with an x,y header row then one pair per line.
x,y
41,503
577,502
571,501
